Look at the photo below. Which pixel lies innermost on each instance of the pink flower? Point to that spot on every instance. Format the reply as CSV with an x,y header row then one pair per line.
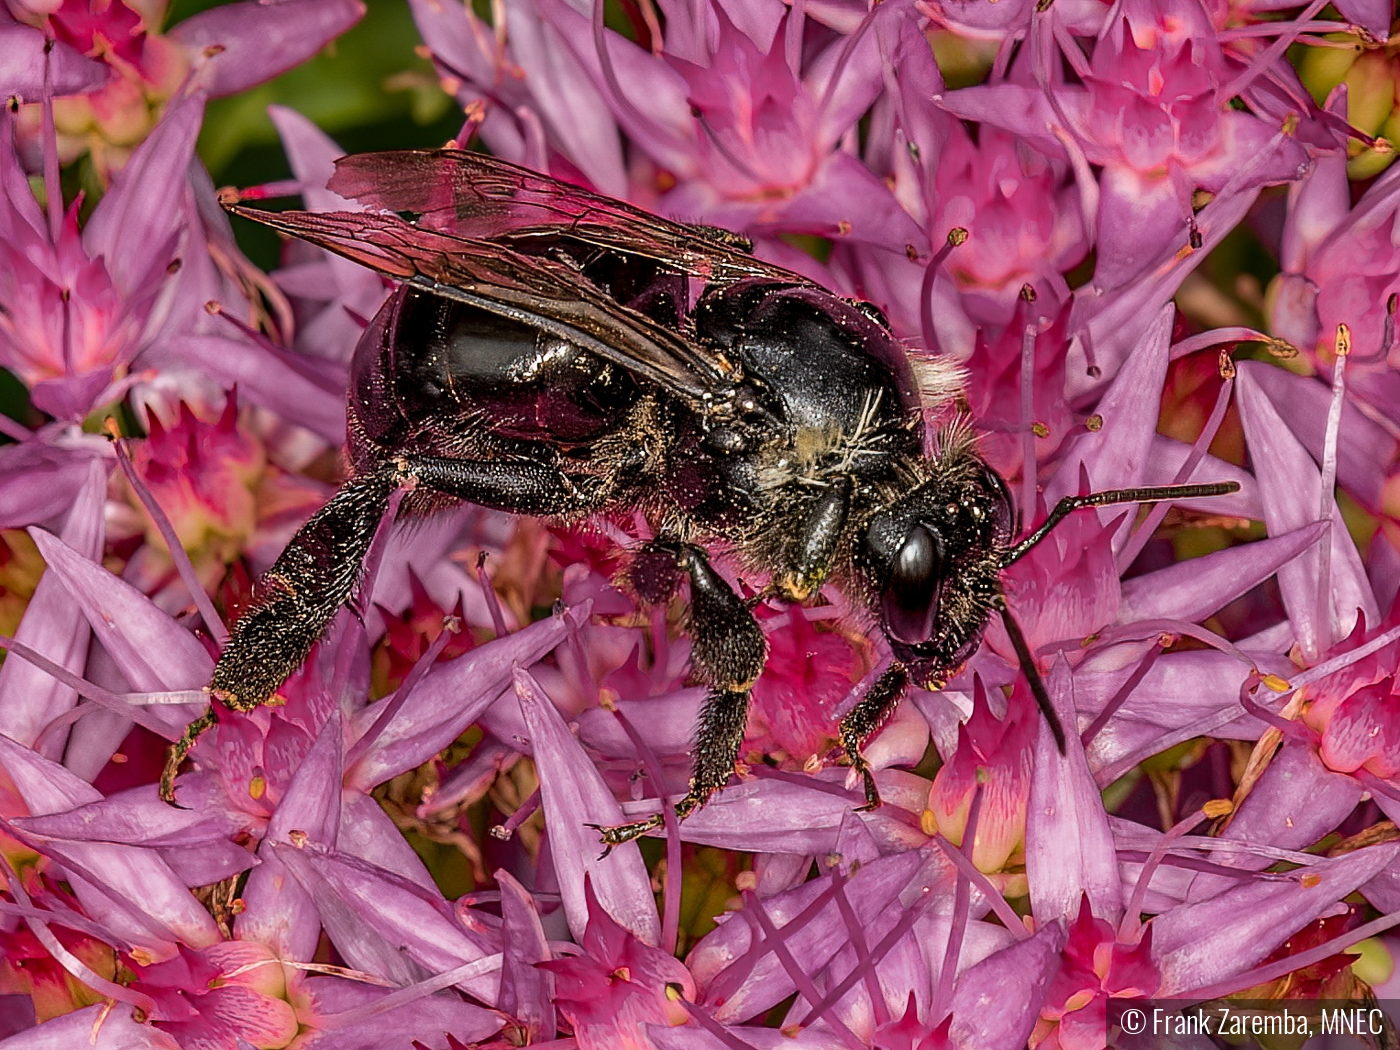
x,y
1066,589
618,985
223,498
995,391
80,308
230,993
1342,267
1364,732
1095,966
995,755
739,130
222,51
810,670
1022,218
1153,111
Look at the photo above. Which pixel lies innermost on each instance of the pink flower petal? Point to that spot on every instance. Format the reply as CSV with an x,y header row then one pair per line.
x,y
429,1020
1016,977
1167,458
93,1027
139,818
527,992
29,697
574,111
1117,455
848,203
385,925
770,816
102,873
450,697
1200,944
277,911
39,483
656,92
133,222
1297,801
1365,449
367,832
455,35
1069,848
1291,488
237,46
1374,15
152,650
1111,322
1192,590
667,723
269,383
575,795
857,62
1180,691
22,64
873,889
1317,205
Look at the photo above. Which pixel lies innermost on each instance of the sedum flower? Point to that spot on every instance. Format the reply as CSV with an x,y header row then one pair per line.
x,y
739,130
618,986
810,670
993,756
223,498
224,50
1340,268
1153,111
1095,966
90,313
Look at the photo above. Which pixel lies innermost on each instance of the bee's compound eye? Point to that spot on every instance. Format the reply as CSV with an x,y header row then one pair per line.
x,y
909,602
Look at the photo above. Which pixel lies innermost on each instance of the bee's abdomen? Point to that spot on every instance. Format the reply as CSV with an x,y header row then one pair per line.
x,y
450,364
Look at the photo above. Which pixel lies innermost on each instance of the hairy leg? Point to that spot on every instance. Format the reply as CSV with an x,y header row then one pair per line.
x,y
728,652
320,567
867,716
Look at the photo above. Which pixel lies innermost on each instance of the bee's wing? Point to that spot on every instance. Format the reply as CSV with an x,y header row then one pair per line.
x,y
541,293
474,195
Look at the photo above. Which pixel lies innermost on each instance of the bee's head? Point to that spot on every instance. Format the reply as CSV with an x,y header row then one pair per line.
x,y
932,560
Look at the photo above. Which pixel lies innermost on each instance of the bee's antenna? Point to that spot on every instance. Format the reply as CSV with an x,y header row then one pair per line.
x,y
1027,662
1069,504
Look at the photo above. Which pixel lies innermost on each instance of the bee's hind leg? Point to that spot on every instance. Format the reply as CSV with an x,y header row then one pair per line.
x,y
728,651
867,716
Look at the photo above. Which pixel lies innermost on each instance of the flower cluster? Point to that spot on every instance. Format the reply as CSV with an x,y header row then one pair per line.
x,y
400,851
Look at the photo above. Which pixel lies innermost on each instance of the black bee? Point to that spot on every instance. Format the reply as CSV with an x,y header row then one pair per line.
x,y
556,353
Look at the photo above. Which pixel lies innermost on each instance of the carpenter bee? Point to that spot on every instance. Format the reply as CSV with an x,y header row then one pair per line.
x,y
556,353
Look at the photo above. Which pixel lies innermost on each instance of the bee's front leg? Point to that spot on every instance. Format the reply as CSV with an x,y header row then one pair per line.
x,y
867,716
816,543
728,651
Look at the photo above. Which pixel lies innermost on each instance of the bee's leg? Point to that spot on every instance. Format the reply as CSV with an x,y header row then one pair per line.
x,y
179,750
514,486
728,651
299,595
317,572
866,717
816,543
